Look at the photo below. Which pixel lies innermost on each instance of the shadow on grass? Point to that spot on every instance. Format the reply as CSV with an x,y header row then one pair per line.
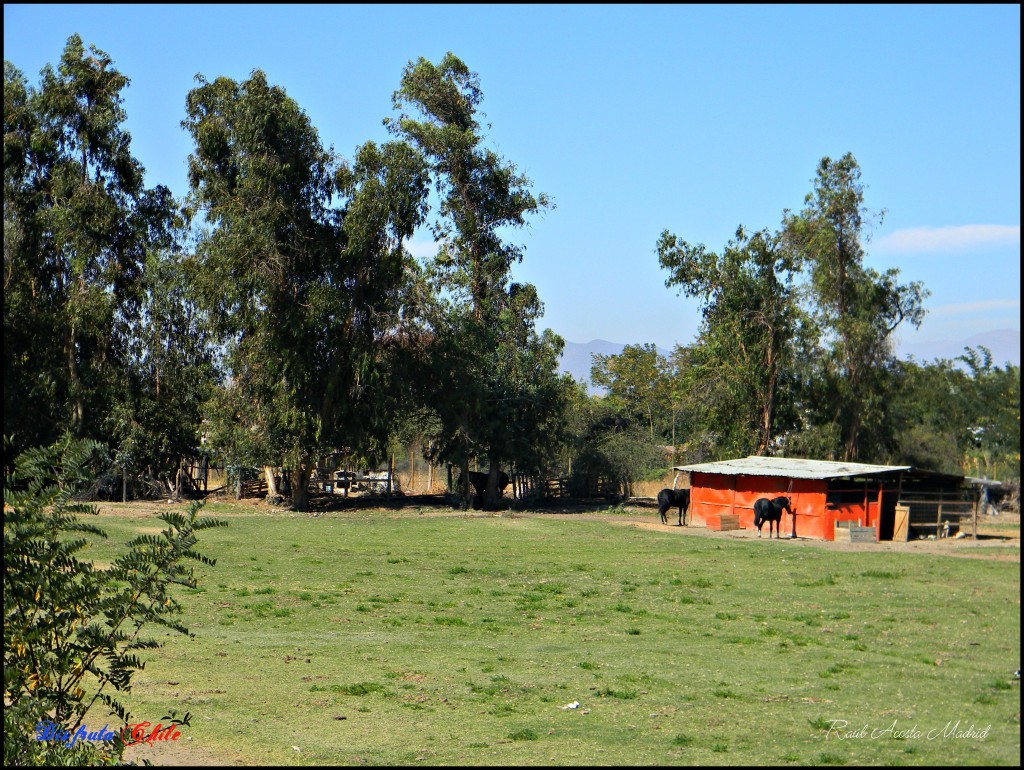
x,y
330,503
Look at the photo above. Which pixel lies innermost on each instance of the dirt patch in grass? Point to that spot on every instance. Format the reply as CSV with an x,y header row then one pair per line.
x,y
180,753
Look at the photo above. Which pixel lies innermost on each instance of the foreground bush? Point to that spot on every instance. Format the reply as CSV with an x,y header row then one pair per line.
x,y
72,631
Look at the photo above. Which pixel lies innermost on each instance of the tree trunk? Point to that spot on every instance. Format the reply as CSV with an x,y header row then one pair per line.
x,y
850,445
77,402
177,479
268,471
490,502
300,485
124,485
465,484
391,476
853,428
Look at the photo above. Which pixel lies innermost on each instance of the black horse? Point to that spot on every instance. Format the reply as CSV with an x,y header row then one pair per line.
x,y
771,511
673,498
479,481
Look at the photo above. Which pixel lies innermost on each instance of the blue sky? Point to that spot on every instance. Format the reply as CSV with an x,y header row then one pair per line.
x,y
636,119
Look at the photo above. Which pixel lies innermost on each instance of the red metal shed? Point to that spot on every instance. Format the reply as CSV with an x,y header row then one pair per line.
x,y
822,492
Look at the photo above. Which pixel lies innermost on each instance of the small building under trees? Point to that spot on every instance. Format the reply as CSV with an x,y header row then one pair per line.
x,y
892,501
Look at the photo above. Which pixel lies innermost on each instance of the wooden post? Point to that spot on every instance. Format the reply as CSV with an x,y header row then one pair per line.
x,y
974,523
412,469
938,520
878,513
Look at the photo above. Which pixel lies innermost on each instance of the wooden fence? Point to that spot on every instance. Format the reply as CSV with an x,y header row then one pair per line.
x,y
525,487
942,515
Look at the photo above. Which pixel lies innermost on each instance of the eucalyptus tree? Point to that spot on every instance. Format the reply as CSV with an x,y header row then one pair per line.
x,y
990,400
482,320
858,308
155,419
529,399
302,271
637,382
750,321
78,224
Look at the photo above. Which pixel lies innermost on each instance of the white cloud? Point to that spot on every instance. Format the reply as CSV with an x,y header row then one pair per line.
x,y
918,240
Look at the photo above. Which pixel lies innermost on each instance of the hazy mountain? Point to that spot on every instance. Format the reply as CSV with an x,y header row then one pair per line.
x,y
1004,344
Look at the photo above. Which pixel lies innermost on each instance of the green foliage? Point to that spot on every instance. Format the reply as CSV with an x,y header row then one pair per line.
x,y
959,416
637,382
156,416
614,447
73,630
491,371
795,349
857,308
737,380
78,224
306,296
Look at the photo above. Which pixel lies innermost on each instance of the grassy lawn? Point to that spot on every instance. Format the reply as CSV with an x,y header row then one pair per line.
x,y
397,637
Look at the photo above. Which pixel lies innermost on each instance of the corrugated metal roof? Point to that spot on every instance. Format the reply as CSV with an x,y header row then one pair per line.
x,y
791,467
975,481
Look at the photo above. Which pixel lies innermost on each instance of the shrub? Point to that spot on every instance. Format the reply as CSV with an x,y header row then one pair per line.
x,y
72,631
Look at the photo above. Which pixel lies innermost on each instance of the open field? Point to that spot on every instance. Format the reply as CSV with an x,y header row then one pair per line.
x,y
410,634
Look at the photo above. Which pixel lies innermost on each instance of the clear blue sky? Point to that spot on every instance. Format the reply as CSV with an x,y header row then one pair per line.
x,y
636,119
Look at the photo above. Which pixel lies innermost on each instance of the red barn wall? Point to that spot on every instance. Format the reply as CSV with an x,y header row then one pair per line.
x,y
712,493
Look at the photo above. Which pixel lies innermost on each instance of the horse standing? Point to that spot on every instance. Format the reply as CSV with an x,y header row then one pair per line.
x,y
771,511
478,480
673,498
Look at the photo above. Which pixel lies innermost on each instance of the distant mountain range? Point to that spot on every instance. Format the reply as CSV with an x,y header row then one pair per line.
x,y
1004,344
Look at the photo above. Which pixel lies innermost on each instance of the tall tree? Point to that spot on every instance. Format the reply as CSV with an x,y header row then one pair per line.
x,y
307,294
637,382
751,320
858,307
78,223
958,416
482,196
155,419
991,403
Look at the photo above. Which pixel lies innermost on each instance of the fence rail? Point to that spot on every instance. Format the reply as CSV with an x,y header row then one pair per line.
x,y
936,516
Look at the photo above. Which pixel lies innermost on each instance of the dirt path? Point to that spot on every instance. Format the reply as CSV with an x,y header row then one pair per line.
x,y
966,546
998,537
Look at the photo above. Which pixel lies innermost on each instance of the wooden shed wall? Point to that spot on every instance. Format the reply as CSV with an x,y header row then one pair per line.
x,y
714,493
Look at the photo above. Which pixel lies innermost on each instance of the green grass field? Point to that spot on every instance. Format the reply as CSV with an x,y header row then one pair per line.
x,y
394,637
